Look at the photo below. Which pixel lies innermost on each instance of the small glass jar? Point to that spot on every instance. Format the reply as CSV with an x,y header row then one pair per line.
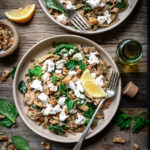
x,y
129,52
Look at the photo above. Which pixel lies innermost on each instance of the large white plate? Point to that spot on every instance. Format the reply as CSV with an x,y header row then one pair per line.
x,y
122,16
22,68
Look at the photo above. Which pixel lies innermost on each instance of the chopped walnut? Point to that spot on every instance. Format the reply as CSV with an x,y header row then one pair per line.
x,y
46,145
135,147
119,140
5,75
3,137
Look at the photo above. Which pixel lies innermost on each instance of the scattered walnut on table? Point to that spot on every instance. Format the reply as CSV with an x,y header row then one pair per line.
x,y
5,75
3,138
46,145
119,140
135,147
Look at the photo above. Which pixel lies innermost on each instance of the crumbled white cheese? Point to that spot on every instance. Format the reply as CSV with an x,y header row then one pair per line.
x,y
62,19
82,102
52,87
60,64
78,94
43,97
79,86
93,75
69,5
62,115
101,19
109,20
73,111
78,56
95,3
119,1
80,119
58,71
93,59
45,77
52,110
72,85
48,65
100,80
62,101
71,51
72,72
36,84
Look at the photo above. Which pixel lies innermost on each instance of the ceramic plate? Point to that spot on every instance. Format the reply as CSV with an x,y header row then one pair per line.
x,y
22,68
122,16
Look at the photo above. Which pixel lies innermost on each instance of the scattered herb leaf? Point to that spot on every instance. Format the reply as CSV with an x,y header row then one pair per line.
x,y
10,112
22,87
13,72
20,142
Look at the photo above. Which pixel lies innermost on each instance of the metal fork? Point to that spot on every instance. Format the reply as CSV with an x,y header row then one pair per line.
x,y
111,90
75,18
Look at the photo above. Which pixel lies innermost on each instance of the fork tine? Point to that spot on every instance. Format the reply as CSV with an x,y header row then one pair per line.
x,y
111,79
116,83
77,23
83,21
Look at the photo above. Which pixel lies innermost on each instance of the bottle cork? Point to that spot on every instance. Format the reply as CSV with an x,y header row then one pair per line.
x,y
130,89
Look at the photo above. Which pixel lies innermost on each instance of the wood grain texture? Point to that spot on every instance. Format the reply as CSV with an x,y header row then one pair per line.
x,y
39,28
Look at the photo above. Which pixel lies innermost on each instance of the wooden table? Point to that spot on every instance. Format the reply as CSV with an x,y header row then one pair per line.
x,y
39,28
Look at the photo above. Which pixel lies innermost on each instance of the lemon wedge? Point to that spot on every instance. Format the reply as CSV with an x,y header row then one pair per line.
x,y
21,15
90,86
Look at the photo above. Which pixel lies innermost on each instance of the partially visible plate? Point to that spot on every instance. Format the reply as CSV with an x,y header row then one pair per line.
x,y
122,16
22,68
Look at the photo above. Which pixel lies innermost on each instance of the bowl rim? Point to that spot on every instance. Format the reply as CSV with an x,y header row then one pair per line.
x,y
16,88
87,32
11,49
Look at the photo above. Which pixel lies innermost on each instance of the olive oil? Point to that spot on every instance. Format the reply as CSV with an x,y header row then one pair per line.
x,y
129,52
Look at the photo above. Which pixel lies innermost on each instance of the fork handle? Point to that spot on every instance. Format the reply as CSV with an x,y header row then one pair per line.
x,y
59,3
85,132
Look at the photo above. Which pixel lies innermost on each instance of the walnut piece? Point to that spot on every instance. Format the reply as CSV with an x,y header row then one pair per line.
x,y
135,147
119,140
46,145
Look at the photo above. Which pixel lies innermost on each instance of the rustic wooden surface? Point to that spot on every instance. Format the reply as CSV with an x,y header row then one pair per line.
x,y
40,27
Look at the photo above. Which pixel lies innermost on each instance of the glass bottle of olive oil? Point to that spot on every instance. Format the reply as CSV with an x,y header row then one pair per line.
x,y
129,52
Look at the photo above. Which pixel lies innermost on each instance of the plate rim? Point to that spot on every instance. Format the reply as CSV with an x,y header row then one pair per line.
x,y
15,86
87,32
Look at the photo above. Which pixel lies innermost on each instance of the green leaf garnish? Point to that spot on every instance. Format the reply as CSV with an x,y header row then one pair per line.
x,y
37,71
54,79
88,7
20,142
121,4
70,103
90,111
57,128
13,72
10,112
22,87
63,89
36,107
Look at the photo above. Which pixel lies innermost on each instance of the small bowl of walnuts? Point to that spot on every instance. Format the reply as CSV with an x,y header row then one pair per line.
x,y
9,38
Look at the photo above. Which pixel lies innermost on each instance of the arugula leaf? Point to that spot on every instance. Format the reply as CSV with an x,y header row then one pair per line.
x,y
13,72
37,71
70,103
123,120
90,111
66,46
88,7
10,112
121,4
71,64
140,124
53,5
54,79
20,142
22,87
63,89
57,128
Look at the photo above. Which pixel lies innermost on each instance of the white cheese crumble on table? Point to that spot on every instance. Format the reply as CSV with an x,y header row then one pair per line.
x,y
93,59
60,64
100,80
95,3
36,84
62,19
78,56
72,72
52,87
62,115
45,77
62,101
43,97
51,110
69,5
80,119
48,65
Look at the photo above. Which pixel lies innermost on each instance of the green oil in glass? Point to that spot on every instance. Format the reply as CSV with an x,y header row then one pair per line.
x,y
129,52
